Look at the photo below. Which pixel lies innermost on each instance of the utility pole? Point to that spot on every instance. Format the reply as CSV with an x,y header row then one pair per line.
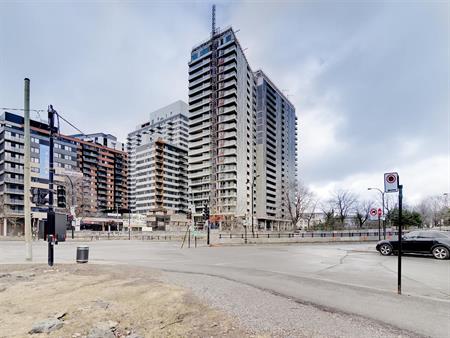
x,y
27,172
129,224
51,212
399,274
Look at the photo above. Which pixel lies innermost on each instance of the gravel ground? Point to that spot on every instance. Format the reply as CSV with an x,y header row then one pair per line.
x,y
263,312
100,301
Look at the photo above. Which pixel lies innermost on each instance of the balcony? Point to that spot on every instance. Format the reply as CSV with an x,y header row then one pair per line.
x,y
195,137
14,191
13,201
226,144
227,110
200,72
227,118
13,180
198,174
204,125
226,152
17,170
204,93
226,168
204,78
199,151
14,149
14,138
202,118
227,76
199,65
227,160
200,103
227,126
15,159
204,141
199,88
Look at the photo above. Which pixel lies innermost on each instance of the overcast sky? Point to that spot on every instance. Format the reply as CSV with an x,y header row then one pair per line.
x,y
369,80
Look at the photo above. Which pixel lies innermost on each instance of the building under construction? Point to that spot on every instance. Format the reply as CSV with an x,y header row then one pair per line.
x,y
222,129
222,136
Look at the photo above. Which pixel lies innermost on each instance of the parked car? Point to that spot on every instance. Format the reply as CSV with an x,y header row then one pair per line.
x,y
436,243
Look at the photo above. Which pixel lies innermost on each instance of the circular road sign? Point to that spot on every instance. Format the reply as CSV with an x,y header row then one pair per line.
x,y
373,212
391,178
380,212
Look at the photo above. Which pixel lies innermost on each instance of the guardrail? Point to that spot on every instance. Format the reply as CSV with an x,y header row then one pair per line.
x,y
314,234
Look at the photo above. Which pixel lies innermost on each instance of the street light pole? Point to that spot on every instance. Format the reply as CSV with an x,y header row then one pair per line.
x,y
253,187
382,201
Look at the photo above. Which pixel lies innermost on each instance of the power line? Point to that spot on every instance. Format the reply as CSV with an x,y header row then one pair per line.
x,y
43,110
21,109
70,124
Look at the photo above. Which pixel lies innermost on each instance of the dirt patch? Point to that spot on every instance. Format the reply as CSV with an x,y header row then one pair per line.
x,y
124,301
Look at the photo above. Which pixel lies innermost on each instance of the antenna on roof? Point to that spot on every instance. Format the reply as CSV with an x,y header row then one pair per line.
x,y
213,26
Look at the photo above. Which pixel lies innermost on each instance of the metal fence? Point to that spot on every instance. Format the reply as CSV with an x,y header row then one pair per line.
x,y
315,234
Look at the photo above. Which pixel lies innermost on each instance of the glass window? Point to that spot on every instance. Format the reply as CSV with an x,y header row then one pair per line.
x,y
413,234
204,51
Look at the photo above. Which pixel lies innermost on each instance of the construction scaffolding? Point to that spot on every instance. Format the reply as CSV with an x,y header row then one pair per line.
x,y
213,132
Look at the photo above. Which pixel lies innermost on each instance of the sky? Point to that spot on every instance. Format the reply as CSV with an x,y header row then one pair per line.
x,y
369,80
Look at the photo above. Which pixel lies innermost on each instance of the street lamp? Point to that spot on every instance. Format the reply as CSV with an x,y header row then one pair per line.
x,y
253,187
382,202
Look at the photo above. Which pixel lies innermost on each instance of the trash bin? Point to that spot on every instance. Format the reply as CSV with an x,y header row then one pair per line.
x,y
82,254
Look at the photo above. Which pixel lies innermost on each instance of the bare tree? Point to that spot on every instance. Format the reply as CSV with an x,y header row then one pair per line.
x,y
432,210
328,210
299,200
311,212
362,210
343,201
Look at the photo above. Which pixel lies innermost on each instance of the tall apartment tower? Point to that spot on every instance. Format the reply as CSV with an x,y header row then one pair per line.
x,y
222,130
104,165
12,168
276,154
161,177
157,153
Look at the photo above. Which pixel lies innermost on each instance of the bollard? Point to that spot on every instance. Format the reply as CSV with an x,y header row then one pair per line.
x,y
82,254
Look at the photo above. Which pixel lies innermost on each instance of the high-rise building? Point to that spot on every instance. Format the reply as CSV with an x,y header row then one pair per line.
x,y
98,173
12,168
222,120
107,140
158,161
105,172
161,177
276,154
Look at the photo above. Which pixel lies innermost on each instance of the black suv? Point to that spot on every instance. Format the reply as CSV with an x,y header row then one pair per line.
x,y
436,243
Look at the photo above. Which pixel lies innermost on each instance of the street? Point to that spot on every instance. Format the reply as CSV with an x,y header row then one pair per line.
x,y
340,278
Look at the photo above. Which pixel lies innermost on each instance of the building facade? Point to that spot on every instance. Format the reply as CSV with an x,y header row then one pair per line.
x,y
104,183
97,173
12,168
158,162
222,114
276,154
107,140
161,177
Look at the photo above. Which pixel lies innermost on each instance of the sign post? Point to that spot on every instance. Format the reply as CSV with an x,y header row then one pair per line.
x,y
379,212
392,184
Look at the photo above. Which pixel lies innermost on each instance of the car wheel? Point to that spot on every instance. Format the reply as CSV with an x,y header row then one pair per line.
x,y
440,252
385,249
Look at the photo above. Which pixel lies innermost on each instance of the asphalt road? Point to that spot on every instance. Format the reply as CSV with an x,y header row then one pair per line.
x,y
340,278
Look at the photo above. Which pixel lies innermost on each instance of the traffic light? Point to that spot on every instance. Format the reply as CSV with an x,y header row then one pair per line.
x,y
205,212
39,196
61,196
